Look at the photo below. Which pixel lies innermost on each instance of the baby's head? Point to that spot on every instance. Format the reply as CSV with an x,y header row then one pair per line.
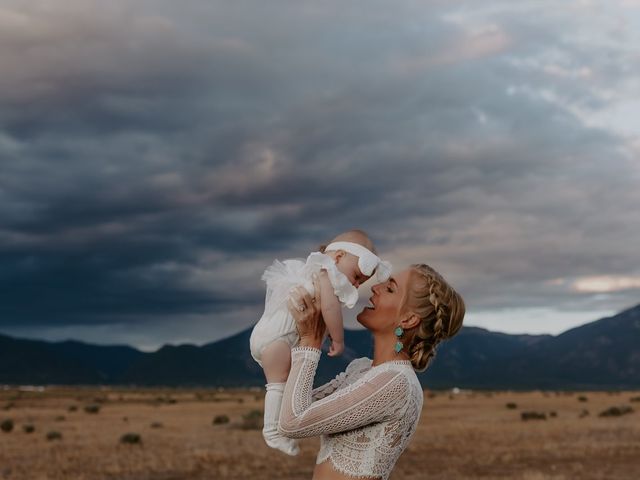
x,y
347,262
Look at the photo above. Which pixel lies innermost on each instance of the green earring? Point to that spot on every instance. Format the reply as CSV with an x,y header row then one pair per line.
x,y
398,331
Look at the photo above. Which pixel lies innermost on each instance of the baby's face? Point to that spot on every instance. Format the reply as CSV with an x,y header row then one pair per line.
x,y
348,265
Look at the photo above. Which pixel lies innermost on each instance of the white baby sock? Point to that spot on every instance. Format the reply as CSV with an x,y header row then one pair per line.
x,y
272,404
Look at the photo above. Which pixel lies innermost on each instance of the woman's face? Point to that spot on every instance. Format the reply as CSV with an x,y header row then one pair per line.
x,y
387,303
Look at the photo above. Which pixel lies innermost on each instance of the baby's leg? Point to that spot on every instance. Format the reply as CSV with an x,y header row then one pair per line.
x,y
335,330
276,363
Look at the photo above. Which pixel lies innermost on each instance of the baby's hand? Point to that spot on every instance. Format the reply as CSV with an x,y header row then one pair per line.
x,y
336,348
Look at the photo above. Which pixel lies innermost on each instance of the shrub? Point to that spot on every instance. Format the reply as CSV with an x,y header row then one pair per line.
x,y
533,416
553,414
220,419
92,408
54,435
252,420
131,438
6,425
583,413
28,428
8,406
616,411
60,418
157,425
512,406
165,399
582,398
72,408
634,399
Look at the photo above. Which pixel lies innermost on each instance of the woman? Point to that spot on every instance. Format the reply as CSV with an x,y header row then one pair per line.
x,y
368,413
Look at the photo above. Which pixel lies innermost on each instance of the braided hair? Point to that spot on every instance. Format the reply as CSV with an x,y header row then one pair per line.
x,y
441,310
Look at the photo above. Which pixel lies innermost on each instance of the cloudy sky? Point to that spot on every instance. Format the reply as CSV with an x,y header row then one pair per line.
x,y
156,156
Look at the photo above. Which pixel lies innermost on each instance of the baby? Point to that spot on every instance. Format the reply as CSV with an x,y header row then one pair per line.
x,y
342,266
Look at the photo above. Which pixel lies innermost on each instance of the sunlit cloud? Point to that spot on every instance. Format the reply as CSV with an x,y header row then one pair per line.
x,y
605,283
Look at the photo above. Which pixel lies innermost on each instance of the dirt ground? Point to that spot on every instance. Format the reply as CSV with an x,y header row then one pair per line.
x,y
464,435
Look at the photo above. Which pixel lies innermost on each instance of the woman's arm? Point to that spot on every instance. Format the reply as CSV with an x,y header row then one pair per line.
x,y
361,403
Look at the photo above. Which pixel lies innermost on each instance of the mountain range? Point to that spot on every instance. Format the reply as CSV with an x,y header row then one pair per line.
x,y
604,354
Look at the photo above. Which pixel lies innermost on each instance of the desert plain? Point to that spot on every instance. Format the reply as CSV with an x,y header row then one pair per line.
x,y
93,433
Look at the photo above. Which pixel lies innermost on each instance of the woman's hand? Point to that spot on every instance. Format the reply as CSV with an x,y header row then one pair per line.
x,y
305,309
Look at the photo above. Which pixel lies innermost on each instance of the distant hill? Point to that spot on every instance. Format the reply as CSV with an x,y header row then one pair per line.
x,y
70,362
604,354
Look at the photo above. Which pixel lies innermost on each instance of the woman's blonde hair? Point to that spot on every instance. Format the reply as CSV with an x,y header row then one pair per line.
x,y
440,308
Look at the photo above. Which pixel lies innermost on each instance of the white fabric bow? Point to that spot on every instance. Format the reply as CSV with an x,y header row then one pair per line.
x,y
367,260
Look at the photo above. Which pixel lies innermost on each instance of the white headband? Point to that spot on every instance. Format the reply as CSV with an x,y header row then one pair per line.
x,y
367,260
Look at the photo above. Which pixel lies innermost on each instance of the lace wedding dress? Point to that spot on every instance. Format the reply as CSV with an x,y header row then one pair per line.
x,y
365,416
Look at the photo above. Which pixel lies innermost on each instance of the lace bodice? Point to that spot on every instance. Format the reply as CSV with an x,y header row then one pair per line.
x,y
365,416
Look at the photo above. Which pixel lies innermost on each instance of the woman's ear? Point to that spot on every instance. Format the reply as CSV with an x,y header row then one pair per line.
x,y
339,255
410,321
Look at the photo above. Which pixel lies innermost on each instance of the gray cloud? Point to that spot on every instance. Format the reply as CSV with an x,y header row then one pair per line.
x,y
156,158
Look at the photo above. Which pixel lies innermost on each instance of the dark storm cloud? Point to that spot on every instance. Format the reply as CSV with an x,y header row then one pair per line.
x,y
156,157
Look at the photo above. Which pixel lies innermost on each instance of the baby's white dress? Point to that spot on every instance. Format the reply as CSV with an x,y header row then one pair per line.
x,y
276,322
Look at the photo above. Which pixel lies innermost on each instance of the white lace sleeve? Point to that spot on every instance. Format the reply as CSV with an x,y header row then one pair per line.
x,y
366,401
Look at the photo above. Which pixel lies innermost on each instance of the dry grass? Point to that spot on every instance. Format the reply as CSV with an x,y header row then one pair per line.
x,y
470,435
